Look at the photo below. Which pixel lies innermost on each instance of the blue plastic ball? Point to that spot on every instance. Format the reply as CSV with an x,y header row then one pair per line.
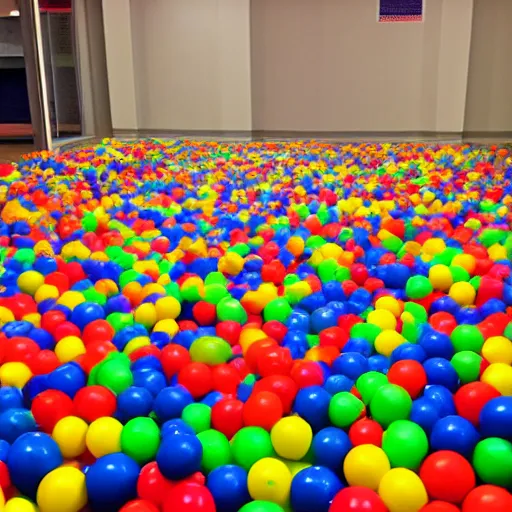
x,y
179,456
436,344
441,372
314,488
312,404
228,485
31,457
134,402
152,380
330,447
170,402
16,422
112,481
350,364
85,313
10,398
425,413
68,378
176,426
441,398
496,418
454,433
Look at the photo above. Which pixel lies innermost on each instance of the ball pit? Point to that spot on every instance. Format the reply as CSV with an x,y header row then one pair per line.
x,y
256,327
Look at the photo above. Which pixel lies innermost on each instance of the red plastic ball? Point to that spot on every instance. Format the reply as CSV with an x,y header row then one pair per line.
x,y
96,352
5,479
274,361
488,498
148,350
227,416
357,499
59,280
19,348
204,313
152,485
50,406
93,402
263,410
197,378
307,373
139,506
51,320
173,358
187,497
253,352
282,385
334,336
365,431
439,506
225,378
44,362
443,322
410,375
471,398
66,329
275,330
447,476
97,330
229,330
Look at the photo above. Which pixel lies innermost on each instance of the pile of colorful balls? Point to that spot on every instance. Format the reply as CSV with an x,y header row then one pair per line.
x,y
256,327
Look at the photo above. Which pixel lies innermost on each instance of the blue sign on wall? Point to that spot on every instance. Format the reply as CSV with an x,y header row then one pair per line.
x,y
392,11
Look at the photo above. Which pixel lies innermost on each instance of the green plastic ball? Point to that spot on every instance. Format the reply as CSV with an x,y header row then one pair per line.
x,y
418,287
249,445
344,409
210,350
467,364
216,450
390,403
467,337
492,460
405,444
140,439
368,383
198,416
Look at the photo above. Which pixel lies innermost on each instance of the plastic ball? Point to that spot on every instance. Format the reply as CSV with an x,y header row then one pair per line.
x,y
390,403
454,433
228,486
487,498
189,497
18,504
269,480
261,506
499,376
401,490
14,423
406,444
263,409
70,433
365,465
357,499
216,450
31,457
314,488
344,409
291,437
112,481
492,460
471,398
447,476
179,456
93,402
139,506
62,490
140,439
104,436
330,447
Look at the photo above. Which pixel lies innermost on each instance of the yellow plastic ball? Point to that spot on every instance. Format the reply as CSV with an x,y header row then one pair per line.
x,y
499,376
365,465
389,304
231,263
466,261
71,299
69,433
2,499
168,326
150,289
135,343
62,490
440,277
291,437
296,466
69,348
167,307
498,349
20,505
497,252
462,293
6,315
33,318
46,291
387,341
104,436
146,315
15,374
249,336
30,281
269,480
434,246
402,490
382,318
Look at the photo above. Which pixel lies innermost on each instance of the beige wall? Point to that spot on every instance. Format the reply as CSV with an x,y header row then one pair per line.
x,y
489,101
191,61
327,65
308,65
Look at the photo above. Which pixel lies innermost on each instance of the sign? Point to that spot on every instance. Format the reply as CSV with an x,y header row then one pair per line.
x,y
397,11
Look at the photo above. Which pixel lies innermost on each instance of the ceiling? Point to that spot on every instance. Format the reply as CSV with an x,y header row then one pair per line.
x,y
6,6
